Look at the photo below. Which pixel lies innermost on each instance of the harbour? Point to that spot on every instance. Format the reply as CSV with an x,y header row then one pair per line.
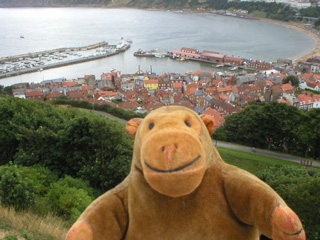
x,y
228,35
39,61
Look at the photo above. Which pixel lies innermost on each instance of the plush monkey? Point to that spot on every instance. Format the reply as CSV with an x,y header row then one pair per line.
x,y
179,188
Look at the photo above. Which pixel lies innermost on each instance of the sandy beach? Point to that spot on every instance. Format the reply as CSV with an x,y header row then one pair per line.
x,y
299,27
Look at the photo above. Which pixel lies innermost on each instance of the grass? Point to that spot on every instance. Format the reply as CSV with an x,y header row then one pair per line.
x,y
258,14
250,161
53,228
35,227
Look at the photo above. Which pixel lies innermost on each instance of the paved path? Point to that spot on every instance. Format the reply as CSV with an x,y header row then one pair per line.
x,y
264,152
237,147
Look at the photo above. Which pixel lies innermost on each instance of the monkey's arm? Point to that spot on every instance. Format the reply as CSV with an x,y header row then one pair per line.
x,y
105,218
255,203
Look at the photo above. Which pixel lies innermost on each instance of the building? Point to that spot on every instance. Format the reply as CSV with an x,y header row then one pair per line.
x,y
35,95
215,57
234,61
151,84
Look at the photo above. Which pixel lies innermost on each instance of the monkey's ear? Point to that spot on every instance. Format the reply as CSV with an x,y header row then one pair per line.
x,y
132,126
209,122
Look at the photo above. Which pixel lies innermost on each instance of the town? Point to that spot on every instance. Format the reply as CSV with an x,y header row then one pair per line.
x,y
216,94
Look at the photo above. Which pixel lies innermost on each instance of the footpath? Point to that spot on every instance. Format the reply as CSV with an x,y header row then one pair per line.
x,y
237,147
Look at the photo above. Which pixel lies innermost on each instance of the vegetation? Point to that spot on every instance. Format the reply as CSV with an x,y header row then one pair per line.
x,y
55,161
299,187
66,141
275,126
293,80
251,162
115,111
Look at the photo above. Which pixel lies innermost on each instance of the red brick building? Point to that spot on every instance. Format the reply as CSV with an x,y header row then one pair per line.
x,y
35,95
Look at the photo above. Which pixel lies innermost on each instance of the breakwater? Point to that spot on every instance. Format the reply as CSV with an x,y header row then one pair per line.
x,y
109,50
58,50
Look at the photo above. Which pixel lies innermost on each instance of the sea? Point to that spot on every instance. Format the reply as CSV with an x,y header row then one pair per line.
x,y
24,30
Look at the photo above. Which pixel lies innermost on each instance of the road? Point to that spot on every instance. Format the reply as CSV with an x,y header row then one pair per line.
x,y
237,147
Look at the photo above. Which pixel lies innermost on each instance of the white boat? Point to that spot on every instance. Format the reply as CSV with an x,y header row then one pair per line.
x,y
112,69
158,55
129,40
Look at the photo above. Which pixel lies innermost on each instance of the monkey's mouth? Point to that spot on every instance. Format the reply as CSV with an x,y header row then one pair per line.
x,y
175,169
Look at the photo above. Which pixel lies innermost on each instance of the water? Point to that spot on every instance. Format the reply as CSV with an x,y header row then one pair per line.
x,y
50,28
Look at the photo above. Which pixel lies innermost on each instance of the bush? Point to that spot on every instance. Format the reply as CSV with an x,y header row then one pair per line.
x,y
68,200
14,190
66,141
299,187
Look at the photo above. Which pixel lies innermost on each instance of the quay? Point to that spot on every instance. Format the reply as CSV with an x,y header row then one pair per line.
x,y
58,50
114,50
210,57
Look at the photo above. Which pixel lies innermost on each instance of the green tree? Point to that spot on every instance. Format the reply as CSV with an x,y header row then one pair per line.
x,y
309,133
299,187
273,126
291,79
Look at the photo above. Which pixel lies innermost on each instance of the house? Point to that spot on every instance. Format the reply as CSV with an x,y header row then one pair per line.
x,y
153,105
177,87
259,65
164,82
215,57
207,101
53,96
35,95
77,95
224,108
305,101
19,93
234,61
287,88
151,85
108,79
129,105
197,97
248,79
180,54
218,118
162,94
190,50
69,84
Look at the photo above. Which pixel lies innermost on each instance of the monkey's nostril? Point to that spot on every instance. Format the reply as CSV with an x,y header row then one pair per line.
x,y
176,146
163,148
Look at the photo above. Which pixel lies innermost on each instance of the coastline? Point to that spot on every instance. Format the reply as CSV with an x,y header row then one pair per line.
x,y
301,28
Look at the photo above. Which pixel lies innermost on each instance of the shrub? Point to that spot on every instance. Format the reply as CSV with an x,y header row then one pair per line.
x,y
68,200
14,190
299,187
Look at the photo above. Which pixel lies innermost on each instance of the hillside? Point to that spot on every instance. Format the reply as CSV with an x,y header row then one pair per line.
x,y
110,3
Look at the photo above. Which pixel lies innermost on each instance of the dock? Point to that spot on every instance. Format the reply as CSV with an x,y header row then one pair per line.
x,y
60,63
42,53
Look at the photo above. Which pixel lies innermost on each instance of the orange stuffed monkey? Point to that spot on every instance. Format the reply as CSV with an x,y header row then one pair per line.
x,y
179,188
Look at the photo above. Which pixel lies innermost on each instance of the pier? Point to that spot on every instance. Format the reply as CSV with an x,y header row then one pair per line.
x,y
42,53
113,51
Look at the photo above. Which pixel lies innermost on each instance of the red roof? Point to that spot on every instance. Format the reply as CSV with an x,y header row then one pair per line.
x,y
34,93
234,59
186,54
287,87
69,84
151,81
90,87
177,85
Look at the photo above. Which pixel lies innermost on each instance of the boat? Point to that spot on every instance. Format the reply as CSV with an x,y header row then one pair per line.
x,y
129,40
112,69
218,66
21,36
158,55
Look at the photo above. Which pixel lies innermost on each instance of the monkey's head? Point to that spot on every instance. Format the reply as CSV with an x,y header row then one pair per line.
x,y
171,147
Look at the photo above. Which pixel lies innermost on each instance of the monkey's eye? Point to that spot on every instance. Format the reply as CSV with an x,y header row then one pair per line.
x,y
187,123
151,125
